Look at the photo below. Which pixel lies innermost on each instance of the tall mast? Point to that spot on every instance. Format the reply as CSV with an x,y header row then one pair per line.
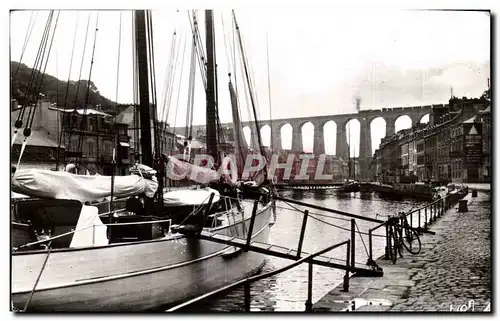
x,y
144,108
211,110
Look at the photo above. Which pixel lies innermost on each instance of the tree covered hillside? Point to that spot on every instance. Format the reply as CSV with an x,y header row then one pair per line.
x,y
55,90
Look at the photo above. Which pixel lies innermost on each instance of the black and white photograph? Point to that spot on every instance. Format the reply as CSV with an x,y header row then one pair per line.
x,y
281,159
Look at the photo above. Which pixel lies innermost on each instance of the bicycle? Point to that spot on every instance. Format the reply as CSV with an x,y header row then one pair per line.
x,y
402,235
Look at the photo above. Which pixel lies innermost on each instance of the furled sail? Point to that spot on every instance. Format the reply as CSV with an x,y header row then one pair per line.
x,y
64,185
194,197
177,170
240,144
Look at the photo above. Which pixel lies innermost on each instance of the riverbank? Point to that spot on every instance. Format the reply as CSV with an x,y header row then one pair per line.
x,y
453,268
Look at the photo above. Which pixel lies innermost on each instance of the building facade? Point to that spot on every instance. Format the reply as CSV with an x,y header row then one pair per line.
x,y
86,136
454,146
130,118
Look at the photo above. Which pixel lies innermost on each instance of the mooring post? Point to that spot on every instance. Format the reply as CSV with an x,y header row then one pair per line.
x,y
302,232
348,267
309,288
252,222
353,241
247,296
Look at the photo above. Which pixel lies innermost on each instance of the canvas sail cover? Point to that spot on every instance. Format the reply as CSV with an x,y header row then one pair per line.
x,y
194,197
64,185
177,170
89,229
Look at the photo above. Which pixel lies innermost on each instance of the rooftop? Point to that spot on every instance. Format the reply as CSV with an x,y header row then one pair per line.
x,y
37,138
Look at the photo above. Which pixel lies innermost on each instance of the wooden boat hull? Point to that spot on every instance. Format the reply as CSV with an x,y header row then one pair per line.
x,y
133,276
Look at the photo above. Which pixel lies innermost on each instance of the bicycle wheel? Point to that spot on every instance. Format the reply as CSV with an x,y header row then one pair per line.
x,y
411,241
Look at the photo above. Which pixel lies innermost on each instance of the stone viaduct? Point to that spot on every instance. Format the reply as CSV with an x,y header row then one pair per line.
x,y
365,117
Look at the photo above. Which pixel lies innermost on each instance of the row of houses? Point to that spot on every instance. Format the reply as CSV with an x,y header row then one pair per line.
x,y
454,146
87,136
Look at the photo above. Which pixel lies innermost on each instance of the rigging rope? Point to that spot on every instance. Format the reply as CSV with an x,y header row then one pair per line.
x,y
42,76
34,73
68,147
27,37
39,80
172,80
332,217
59,141
149,23
191,86
83,122
271,144
115,138
81,63
227,49
259,138
168,72
18,124
179,89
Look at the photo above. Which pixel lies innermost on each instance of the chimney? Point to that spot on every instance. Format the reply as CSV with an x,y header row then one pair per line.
x,y
13,104
358,103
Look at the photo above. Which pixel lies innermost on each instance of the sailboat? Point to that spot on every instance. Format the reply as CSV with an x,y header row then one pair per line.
x,y
68,257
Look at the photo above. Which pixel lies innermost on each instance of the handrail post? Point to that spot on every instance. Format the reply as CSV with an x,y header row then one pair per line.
x,y
370,245
302,232
250,229
353,241
247,296
309,288
348,267
425,219
419,222
387,242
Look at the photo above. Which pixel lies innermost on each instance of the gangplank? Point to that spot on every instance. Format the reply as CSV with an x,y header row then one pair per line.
x,y
285,253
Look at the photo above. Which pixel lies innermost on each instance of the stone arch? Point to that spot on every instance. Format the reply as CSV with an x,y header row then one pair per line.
x,y
424,119
353,132
286,133
330,136
247,132
265,134
378,130
307,132
403,122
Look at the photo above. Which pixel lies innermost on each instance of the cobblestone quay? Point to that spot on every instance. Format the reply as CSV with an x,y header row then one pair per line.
x,y
452,273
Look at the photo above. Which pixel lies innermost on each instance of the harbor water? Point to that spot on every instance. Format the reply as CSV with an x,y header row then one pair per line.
x,y
288,291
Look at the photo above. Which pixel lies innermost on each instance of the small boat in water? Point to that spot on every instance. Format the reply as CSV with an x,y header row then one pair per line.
x,y
350,186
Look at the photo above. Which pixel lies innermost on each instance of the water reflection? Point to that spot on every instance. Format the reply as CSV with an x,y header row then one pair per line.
x,y
288,291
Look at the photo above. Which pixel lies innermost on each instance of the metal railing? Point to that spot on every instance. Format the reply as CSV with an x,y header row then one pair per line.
x,y
50,239
426,215
248,281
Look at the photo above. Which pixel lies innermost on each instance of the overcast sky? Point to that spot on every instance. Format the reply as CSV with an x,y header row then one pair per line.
x,y
319,60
